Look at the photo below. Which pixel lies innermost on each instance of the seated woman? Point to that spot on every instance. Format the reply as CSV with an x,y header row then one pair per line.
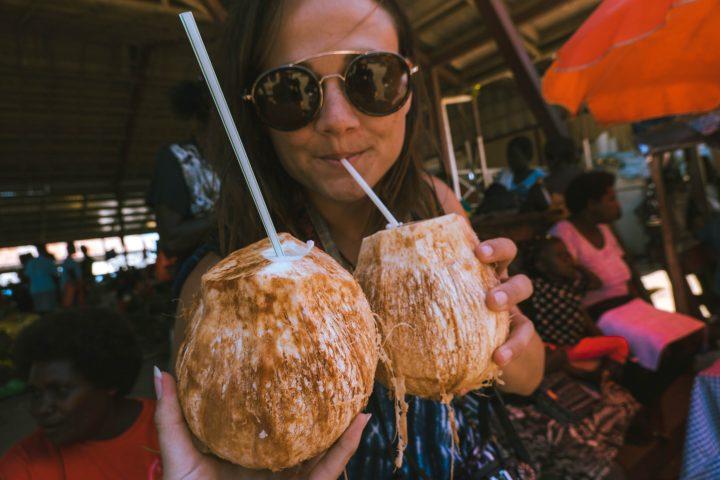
x,y
80,365
615,305
557,311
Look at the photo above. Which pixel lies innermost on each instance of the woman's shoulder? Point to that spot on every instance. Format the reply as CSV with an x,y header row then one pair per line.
x,y
16,462
191,285
445,196
563,229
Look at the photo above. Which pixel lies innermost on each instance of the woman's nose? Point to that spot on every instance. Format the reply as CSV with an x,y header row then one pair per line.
x,y
43,405
337,115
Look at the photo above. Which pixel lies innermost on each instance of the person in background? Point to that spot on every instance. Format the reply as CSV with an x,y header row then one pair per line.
x,y
564,166
86,265
71,280
662,342
520,177
557,312
184,187
42,273
80,364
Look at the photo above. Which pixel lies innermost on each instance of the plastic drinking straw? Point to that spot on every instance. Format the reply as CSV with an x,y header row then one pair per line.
x,y
392,221
208,72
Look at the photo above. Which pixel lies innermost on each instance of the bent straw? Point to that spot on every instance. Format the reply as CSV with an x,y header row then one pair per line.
x,y
208,72
392,221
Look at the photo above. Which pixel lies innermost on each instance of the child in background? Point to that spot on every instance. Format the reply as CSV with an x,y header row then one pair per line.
x,y
557,311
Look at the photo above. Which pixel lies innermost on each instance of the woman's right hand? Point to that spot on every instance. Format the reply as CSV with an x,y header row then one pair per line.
x,y
181,460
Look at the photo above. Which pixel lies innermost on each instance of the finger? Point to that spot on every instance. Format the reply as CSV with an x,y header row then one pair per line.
x,y
333,462
509,293
179,455
521,332
500,251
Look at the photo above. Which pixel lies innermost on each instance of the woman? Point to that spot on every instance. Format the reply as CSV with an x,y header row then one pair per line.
x,y
80,365
655,337
296,137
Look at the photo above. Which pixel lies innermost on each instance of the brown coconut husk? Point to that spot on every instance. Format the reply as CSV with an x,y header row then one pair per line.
x,y
428,290
279,357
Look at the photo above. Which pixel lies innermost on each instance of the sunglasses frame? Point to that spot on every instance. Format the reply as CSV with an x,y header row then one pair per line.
x,y
411,69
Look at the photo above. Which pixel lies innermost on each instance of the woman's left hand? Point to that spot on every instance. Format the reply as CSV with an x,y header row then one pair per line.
x,y
500,252
522,356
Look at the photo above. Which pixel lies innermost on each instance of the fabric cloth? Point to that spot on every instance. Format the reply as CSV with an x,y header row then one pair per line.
x,y
132,455
648,330
506,178
41,271
590,348
582,450
557,312
606,262
701,454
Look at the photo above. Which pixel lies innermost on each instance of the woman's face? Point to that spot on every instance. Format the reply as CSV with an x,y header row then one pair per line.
x,y
607,209
64,404
372,144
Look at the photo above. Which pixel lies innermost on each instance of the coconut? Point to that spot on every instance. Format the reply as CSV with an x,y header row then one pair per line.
x,y
279,357
428,290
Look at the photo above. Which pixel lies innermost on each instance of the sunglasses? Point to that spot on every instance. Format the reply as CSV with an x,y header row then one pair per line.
x,y
290,97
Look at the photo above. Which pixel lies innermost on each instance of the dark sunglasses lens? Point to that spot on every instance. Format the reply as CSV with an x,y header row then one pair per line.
x,y
378,84
287,99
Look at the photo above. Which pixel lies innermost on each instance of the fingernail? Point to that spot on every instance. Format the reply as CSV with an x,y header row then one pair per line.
x,y
368,416
503,355
486,250
501,298
157,380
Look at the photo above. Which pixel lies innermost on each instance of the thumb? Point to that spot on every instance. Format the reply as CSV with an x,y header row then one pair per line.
x,y
333,462
178,452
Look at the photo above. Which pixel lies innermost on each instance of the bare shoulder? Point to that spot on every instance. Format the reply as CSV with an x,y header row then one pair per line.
x,y
445,196
190,288
192,285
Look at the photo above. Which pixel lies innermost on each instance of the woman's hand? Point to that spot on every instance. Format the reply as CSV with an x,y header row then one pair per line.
x,y
181,460
522,356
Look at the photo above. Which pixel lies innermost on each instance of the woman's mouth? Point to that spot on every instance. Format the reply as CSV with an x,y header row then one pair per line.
x,y
334,159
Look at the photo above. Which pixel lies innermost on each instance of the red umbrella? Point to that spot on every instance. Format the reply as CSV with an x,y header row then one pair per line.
x,y
637,59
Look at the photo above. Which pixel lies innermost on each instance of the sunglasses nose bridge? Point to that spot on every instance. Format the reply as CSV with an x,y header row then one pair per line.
x,y
332,75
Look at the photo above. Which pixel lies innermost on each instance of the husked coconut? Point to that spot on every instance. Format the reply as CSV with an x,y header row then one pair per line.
x,y
428,290
279,357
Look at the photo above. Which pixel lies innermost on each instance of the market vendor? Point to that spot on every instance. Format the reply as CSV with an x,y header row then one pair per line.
x,y
80,366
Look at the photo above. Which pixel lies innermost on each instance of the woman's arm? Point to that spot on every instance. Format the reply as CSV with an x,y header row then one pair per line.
x,y
522,356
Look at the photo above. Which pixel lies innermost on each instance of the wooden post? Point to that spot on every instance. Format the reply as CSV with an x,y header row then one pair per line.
x,y
487,179
677,278
439,121
696,169
499,23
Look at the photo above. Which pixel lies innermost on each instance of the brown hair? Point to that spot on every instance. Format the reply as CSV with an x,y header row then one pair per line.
x,y
251,26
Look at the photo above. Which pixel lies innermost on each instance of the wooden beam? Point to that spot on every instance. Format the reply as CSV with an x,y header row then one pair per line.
x,y
511,46
677,279
475,38
216,9
444,9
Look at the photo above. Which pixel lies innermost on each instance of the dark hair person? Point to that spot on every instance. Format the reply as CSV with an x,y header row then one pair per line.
x,y
80,365
295,138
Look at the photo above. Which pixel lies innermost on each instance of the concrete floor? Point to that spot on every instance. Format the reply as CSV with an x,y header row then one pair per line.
x,y
16,422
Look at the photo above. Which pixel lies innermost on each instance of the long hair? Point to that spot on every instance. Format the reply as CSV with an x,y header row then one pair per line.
x,y
249,33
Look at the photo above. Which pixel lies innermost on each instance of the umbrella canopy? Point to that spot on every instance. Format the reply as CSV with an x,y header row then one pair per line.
x,y
638,59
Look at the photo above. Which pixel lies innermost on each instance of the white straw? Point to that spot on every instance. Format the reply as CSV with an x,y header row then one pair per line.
x,y
392,222
208,72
